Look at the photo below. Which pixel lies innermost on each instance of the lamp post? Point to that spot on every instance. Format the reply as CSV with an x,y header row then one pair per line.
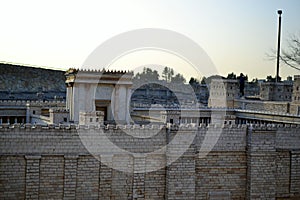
x,y
278,44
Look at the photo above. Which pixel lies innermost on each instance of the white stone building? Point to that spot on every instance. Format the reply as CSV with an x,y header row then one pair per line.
x,y
107,91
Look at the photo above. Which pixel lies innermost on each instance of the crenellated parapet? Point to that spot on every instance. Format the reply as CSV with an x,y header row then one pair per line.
x,y
106,71
145,127
191,126
274,126
24,102
57,109
87,75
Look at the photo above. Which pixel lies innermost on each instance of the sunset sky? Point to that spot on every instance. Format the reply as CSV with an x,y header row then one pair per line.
x,y
235,34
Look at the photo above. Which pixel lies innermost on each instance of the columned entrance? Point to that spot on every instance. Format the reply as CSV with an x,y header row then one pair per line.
x,y
90,91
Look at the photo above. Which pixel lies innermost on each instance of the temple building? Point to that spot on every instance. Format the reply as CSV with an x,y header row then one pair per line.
x,y
107,91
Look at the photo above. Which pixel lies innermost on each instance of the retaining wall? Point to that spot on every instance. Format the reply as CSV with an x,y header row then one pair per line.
x,y
245,163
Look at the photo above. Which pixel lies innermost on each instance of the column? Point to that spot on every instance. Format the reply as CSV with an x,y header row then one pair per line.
x,y
76,92
116,101
27,113
261,157
181,175
71,103
138,190
70,177
127,114
105,184
295,172
122,185
68,97
32,176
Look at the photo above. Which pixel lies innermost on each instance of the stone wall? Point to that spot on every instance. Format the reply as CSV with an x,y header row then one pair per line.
x,y
268,106
221,174
244,163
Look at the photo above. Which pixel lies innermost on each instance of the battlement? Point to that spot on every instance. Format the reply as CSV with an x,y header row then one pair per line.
x,y
7,127
60,110
296,76
93,70
24,102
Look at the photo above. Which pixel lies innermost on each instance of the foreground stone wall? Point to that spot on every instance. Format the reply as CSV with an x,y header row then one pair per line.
x,y
245,163
221,173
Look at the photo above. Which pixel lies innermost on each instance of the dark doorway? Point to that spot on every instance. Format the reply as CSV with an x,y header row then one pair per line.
x,y
104,110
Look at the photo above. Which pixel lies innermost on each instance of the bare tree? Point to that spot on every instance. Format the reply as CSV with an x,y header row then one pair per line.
x,y
291,54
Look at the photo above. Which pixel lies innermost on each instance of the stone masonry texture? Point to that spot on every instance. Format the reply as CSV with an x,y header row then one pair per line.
x,y
259,162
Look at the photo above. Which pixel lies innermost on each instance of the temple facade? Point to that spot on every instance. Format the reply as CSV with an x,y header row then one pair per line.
x,y
107,91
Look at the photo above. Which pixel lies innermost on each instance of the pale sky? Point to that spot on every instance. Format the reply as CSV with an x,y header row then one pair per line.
x,y
235,34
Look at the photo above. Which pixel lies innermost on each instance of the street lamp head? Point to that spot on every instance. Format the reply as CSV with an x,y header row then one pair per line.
x,y
279,12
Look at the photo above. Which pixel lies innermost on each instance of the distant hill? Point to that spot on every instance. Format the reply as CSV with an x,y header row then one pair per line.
x,y
25,82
